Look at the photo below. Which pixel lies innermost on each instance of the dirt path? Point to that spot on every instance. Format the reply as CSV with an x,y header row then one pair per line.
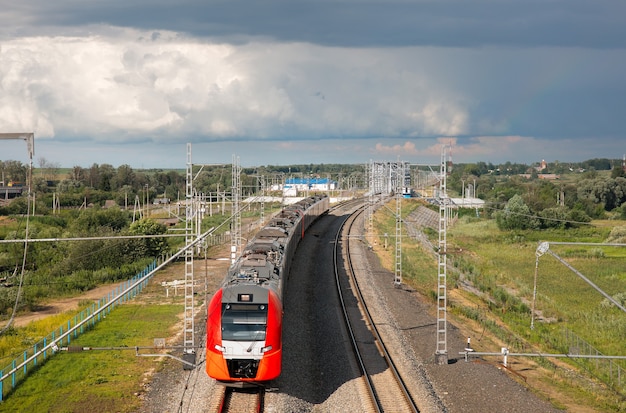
x,y
170,273
62,305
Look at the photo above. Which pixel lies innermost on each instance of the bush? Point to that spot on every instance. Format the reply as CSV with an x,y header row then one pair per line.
x,y
554,217
516,215
617,235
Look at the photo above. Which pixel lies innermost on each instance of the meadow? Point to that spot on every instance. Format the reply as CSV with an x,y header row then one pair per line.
x,y
103,379
491,278
490,281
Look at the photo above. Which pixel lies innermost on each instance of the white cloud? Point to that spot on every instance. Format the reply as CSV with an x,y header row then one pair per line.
x,y
115,85
130,83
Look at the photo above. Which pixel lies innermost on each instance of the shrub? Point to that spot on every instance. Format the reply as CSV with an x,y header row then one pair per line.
x,y
516,215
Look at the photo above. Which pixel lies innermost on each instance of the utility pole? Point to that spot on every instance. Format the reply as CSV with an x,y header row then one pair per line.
x,y
441,354
235,248
189,351
397,281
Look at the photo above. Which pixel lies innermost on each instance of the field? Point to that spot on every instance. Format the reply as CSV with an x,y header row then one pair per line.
x,y
491,277
100,380
490,283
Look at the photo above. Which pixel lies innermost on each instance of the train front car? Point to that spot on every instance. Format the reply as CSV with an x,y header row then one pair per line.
x,y
244,332
244,326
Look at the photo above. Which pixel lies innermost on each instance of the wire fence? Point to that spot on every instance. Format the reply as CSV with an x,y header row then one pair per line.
x,y
19,368
610,371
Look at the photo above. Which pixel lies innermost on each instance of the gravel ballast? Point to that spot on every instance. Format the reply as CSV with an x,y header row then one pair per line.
x,y
319,374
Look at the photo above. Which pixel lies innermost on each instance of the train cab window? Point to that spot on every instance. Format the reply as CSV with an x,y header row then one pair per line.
x,y
244,322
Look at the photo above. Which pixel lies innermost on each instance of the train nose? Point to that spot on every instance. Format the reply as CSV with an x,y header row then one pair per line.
x,y
234,349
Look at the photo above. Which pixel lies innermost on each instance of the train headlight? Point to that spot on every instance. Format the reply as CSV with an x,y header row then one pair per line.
x,y
219,348
265,349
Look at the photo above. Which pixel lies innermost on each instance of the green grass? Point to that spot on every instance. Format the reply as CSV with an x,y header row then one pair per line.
x,y
98,380
501,266
502,261
15,340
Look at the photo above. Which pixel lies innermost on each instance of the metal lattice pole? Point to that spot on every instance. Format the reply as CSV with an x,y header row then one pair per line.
x,y
235,248
441,353
263,189
189,328
370,204
399,195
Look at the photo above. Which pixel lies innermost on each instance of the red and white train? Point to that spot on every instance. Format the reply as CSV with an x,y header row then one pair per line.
x,y
244,325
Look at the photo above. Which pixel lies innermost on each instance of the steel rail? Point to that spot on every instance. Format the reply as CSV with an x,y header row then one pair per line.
x,y
373,328
355,347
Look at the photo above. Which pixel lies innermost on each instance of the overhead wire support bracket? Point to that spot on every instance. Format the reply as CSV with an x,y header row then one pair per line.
x,y
29,137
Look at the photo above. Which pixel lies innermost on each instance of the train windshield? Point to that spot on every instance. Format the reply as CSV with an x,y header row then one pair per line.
x,y
244,322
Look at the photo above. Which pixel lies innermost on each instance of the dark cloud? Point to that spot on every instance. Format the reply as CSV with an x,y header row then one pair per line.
x,y
355,23
500,75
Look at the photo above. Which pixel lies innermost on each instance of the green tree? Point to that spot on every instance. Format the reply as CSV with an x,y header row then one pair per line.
x,y
562,217
516,215
540,194
618,171
95,220
107,173
609,192
13,171
124,176
599,164
78,174
147,247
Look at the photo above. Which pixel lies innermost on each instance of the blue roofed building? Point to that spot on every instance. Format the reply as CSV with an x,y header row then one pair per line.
x,y
311,184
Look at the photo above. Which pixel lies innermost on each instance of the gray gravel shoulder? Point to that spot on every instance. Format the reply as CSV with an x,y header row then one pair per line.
x,y
457,386
318,374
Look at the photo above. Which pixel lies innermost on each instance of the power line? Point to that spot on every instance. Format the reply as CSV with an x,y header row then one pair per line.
x,y
8,241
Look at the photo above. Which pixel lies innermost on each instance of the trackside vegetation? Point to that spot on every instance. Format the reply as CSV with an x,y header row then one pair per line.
x,y
491,274
98,380
491,264
61,268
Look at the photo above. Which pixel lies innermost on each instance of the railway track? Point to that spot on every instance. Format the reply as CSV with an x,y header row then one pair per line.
x,y
387,391
235,400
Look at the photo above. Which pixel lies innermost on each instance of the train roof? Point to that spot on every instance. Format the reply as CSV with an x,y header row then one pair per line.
x,y
262,259
258,263
273,231
246,293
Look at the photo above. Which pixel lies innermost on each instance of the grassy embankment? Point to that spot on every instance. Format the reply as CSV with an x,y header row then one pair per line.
x,y
97,380
500,268
102,380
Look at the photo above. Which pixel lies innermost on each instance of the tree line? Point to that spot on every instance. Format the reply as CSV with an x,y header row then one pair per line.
x,y
573,194
514,195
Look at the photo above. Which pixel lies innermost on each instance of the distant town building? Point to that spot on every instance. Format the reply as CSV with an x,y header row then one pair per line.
x,y
311,184
543,165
